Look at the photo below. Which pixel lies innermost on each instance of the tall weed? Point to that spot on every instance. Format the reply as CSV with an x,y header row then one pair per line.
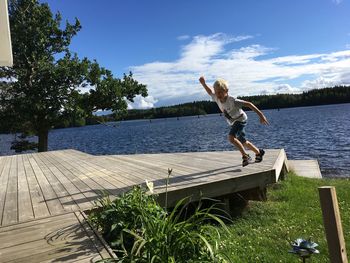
x,y
139,230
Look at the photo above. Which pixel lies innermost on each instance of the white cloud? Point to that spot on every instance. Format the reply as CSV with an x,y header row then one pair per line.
x,y
294,60
250,52
249,70
285,88
142,103
328,80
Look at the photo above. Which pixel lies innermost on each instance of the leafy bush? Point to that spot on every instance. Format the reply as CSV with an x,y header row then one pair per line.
x,y
139,230
125,212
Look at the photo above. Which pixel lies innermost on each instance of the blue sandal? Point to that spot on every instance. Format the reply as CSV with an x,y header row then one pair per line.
x,y
246,159
259,157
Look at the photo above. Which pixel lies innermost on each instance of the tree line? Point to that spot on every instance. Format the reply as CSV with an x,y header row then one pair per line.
x,y
332,95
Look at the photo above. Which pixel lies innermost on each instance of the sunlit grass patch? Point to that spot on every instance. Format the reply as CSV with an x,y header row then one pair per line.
x,y
266,229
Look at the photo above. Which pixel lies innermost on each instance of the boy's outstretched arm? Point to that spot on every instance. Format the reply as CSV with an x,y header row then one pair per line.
x,y
261,115
206,87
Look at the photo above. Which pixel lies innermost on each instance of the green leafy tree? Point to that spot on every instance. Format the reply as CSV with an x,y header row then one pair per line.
x,y
43,85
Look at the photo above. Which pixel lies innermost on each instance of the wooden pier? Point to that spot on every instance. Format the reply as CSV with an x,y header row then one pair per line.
x,y
305,168
42,194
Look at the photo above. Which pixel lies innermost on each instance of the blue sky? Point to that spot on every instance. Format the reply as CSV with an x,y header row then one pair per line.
x,y
259,47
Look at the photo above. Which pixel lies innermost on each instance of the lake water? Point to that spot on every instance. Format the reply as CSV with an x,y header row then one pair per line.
x,y
319,132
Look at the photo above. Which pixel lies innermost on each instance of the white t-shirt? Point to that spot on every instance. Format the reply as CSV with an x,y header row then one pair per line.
x,y
232,109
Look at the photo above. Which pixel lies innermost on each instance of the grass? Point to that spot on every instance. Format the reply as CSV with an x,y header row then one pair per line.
x,y
265,230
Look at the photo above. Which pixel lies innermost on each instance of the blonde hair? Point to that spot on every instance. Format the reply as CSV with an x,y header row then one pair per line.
x,y
221,84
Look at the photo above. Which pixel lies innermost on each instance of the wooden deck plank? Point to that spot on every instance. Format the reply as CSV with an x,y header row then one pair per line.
x,y
97,166
165,162
100,244
210,166
70,185
30,223
2,163
87,176
125,165
77,179
130,169
99,178
181,162
173,161
189,167
3,185
25,207
152,171
128,166
204,164
180,174
102,176
215,159
305,168
39,205
62,194
93,179
10,207
68,253
52,201
232,159
13,235
61,239
80,154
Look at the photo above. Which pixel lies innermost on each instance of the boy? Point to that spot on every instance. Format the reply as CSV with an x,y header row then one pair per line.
x,y
236,118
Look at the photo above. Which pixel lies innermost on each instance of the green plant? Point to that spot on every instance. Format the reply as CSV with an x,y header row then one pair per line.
x,y
173,239
125,212
139,230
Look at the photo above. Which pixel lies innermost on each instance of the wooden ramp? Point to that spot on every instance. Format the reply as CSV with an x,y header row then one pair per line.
x,y
305,168
53,184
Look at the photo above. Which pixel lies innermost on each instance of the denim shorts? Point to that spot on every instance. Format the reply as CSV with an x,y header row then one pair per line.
x,y
237,130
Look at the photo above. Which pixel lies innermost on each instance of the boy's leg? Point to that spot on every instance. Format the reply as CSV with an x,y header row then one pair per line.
x,y
246,159
236,137
237,143
251,146
259,153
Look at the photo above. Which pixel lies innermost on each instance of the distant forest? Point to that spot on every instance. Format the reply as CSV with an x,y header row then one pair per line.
x,y
337,94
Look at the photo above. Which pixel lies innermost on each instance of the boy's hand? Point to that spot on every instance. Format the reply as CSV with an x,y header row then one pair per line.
x,y
263,120
205,86
202,80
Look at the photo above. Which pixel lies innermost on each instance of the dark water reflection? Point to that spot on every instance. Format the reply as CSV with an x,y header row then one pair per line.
x,y
319,132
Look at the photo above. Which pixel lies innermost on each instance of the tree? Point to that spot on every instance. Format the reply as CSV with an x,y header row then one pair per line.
x,y
43,84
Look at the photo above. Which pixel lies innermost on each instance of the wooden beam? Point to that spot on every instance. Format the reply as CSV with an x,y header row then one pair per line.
x,y
218,188
332,224
5,36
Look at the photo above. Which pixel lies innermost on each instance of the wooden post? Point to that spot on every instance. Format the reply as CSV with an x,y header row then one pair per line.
x,y
332,224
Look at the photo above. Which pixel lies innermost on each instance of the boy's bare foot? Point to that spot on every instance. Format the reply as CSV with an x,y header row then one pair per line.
x,y
259,157
246,159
